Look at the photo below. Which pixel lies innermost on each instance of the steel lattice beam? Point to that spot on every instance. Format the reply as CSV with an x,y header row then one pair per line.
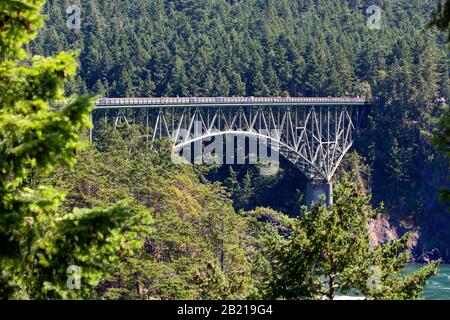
x,y
314,137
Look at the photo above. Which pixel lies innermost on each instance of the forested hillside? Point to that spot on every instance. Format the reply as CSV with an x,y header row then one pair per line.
x,y
198,247
280,47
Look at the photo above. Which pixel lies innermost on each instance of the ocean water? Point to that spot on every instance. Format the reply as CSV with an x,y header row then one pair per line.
x,y
437,287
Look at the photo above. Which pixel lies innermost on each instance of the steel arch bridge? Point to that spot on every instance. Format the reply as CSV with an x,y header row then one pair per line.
x,y
313,133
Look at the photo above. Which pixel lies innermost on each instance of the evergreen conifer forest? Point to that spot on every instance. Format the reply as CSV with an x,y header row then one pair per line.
x,y
109,216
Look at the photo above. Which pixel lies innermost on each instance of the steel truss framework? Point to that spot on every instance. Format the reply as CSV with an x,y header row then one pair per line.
x,y
314,138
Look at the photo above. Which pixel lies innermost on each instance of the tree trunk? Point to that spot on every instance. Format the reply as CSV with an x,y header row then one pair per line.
x,y
331,288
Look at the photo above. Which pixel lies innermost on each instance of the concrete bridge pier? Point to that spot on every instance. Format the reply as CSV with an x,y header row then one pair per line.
x,y
315,189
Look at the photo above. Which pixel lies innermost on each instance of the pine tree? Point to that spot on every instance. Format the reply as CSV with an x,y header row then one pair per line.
x,y
179,80
441,137
39,242
441,140
260,89
441,17
237,85
328,252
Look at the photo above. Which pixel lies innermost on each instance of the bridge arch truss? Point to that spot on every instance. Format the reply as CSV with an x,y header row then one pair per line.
x,y
313,135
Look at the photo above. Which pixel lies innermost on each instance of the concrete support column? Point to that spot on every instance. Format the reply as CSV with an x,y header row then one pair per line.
x,y
316,188
91,133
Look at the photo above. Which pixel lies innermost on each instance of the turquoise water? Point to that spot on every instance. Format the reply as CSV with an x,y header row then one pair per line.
x,y
437,287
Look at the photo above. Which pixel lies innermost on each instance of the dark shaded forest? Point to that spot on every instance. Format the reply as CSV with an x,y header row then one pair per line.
x,y
280,47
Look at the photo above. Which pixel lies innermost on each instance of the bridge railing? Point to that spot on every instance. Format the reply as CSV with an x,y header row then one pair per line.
x,y
226,101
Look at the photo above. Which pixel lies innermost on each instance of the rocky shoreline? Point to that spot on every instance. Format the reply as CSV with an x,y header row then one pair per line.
x,y
381,231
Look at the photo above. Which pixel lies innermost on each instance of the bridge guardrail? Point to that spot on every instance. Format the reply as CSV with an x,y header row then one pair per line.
x,y
226,101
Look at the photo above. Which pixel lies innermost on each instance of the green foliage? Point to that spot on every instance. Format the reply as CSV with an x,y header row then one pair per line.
x,y
200,247
39,241
386,280
441,140
328,252
240,48
299,48
441,17
267,228
20,21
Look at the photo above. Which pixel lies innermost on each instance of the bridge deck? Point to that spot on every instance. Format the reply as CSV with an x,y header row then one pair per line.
x,y
107,103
